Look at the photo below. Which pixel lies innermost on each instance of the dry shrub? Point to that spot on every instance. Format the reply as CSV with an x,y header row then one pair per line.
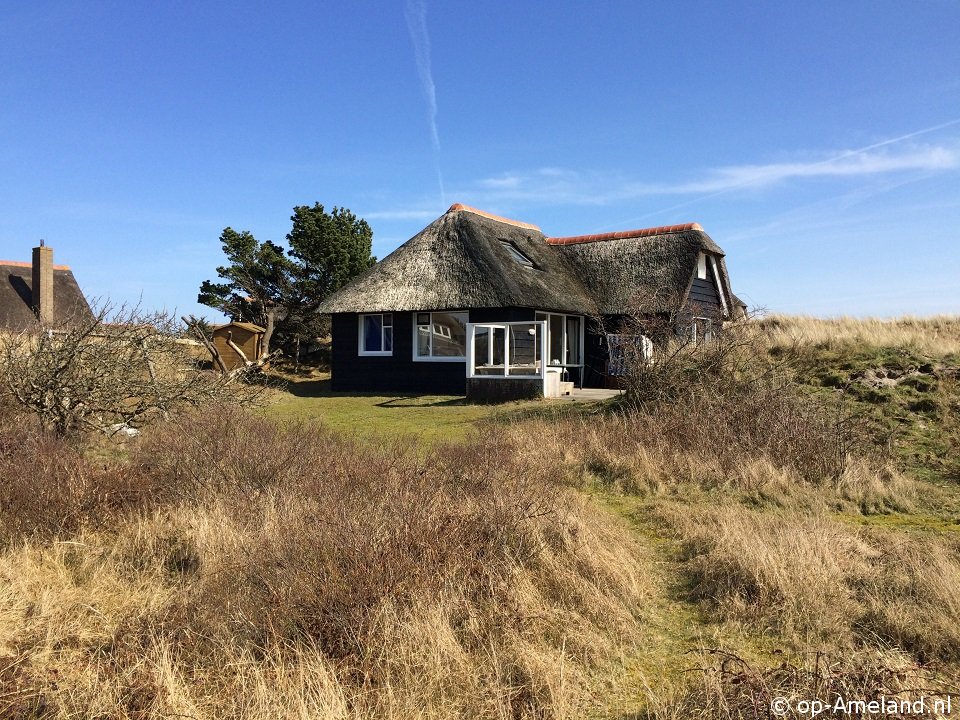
x,y
291,573
730,687
50,487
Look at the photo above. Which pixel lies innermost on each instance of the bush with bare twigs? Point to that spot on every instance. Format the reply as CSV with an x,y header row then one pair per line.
x,y
115,371
815,684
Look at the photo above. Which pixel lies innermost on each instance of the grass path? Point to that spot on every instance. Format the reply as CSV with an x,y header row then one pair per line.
x,y
674,630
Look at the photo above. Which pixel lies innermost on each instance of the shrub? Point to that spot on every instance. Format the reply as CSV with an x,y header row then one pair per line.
x,y
729,686
50,487
416,574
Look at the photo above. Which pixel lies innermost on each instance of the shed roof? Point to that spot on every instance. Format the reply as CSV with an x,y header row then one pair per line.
x,y
16,296
250,327
463,259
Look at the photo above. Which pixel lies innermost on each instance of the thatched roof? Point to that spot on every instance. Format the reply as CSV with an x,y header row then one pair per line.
x,y
650,268
16,296
466,259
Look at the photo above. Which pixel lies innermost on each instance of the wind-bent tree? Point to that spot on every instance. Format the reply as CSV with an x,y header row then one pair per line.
x,y
281,290
258,279
330,249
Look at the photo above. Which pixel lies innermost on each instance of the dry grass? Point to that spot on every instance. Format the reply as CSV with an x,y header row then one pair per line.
x,y
236,567
938,335
776,453
812,580
283,572
729,686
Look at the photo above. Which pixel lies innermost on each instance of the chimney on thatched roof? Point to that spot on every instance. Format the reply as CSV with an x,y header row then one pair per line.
x,y
42,283
39,291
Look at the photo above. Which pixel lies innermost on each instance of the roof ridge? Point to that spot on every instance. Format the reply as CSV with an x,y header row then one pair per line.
x,y
460,207
623,234
20,263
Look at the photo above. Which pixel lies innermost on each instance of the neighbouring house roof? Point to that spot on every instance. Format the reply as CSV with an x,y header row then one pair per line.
x,y
16,296
465,259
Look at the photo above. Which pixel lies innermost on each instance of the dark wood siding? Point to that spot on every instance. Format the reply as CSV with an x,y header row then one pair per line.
x,y
493,390
352,372
703,296
494,315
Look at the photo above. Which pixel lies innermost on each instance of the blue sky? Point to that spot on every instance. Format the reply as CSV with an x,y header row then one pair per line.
x,y
818,143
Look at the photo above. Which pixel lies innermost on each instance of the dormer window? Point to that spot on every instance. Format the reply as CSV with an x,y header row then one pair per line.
x,y
702,267
515,253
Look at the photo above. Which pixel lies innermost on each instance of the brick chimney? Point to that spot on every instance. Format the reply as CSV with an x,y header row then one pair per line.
x,y
43,283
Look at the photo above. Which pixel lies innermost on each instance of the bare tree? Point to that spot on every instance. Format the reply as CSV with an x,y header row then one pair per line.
x,y
91,374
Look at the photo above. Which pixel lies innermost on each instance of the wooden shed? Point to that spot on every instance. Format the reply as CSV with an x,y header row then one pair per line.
x,y
246,336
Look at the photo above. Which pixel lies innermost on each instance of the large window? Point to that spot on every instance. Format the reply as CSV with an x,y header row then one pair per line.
x,y
376,334
564,334
506,350
440,336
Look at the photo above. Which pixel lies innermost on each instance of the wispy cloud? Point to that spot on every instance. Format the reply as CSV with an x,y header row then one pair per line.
x,y
416,13
566,186
862,163
879,167
585,188
402,214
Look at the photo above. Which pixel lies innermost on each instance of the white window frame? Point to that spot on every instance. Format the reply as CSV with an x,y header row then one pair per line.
x,y
720,293
566,344
505,326
416,345
694,337
360,336
702,266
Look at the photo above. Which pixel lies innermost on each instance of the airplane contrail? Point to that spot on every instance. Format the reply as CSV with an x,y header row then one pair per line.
x,y
416,14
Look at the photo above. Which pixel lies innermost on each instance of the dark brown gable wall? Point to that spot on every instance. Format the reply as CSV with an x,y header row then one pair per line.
x,y
703,296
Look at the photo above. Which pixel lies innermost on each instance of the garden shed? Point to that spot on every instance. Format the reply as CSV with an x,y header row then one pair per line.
x,y
238,343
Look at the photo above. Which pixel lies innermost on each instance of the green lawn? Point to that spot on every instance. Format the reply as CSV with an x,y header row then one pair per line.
x,y
432,417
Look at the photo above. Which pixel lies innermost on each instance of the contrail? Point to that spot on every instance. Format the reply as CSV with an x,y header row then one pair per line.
x,y
828,161
416,13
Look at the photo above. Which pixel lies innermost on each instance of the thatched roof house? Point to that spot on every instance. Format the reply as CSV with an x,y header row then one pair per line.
x,y
410,322
39,290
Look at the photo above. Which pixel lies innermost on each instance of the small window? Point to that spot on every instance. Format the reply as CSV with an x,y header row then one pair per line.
x,y
441,336
376,334
702,267
515,253
701,330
